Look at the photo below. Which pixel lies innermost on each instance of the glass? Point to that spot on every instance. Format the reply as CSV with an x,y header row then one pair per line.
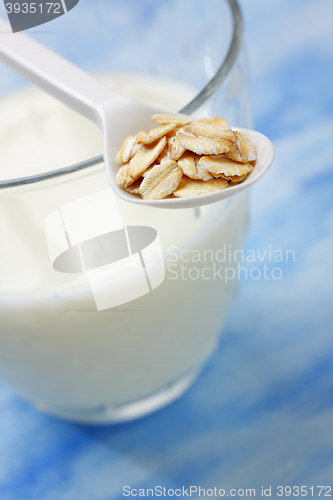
x,y
57,350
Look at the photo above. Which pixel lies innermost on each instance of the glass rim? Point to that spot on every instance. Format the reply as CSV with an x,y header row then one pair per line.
x,y
212,86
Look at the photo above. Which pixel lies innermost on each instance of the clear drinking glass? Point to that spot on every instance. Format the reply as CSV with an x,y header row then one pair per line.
x,y
56,349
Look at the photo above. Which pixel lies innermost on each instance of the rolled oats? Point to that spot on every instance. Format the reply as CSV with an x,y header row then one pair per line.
x,y
236,179
165,186
144,158
189,165
156,133
173,150
134,188
166,119
221,166
123,178
207,136
184,157
243,150
189,187
129,148
156,174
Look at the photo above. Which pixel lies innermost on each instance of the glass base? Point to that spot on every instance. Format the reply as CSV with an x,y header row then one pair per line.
x,y
110,414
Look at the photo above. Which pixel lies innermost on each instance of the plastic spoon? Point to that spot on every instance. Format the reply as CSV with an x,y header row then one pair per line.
x,y
116,115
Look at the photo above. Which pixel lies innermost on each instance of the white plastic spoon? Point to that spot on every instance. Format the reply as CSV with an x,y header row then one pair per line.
x,y
116,115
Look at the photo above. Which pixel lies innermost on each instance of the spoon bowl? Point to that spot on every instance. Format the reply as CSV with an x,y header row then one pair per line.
x,y
265,157
116,115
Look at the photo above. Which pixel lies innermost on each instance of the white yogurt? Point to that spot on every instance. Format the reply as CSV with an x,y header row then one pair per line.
x,y
56,349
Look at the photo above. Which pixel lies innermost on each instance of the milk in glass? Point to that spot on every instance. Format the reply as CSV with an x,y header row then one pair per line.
x,y
56,349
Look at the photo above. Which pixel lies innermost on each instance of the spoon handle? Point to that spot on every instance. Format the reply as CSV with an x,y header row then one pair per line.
x,y
53,73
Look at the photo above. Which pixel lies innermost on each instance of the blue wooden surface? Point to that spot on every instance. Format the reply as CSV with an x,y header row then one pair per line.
x,y
262,412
